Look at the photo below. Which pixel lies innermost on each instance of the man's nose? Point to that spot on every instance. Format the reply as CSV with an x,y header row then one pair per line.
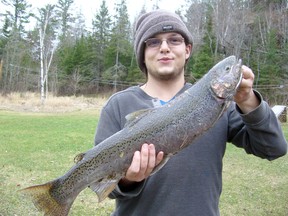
x,y
164,47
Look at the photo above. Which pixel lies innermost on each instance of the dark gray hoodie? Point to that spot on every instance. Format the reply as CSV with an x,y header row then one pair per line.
x,y
191,182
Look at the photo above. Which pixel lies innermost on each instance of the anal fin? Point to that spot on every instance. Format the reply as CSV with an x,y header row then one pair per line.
x,y
161,164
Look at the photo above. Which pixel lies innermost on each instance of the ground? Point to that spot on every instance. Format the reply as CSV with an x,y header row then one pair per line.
x,y
30,102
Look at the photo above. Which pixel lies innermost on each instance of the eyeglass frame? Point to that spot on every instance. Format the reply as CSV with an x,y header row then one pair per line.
x,y
168,41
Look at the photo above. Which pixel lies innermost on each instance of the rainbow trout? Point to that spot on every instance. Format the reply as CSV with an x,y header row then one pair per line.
x,y
170,128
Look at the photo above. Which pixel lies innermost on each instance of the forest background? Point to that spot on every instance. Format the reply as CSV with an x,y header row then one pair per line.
x,y
60,56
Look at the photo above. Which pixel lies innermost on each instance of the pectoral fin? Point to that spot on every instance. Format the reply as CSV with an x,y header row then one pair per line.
x,y
103,189
133,118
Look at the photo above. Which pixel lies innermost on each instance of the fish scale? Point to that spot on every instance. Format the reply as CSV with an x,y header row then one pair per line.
x,y
170,128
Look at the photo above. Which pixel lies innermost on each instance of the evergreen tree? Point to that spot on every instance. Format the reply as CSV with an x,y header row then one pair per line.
x,y
17,16
77,64
66,18
100,38
272,65
118,54
6,27
15,51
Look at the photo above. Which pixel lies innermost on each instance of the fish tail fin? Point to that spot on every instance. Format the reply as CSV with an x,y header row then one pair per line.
x,y
43,201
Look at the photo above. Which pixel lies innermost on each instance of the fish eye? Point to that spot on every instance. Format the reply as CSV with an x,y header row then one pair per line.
x,y
227,68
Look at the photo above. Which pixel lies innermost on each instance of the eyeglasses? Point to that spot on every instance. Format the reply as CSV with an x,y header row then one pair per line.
x,y
171,41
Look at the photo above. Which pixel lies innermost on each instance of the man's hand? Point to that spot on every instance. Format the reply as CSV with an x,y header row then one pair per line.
x,y
245,97
142,165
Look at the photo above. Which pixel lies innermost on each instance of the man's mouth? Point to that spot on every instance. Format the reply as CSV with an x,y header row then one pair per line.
x,y
165,59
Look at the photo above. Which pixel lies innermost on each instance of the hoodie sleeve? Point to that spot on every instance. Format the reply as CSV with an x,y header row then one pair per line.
x,y
258,132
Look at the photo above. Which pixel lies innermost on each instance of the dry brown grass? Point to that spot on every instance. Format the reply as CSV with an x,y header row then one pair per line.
x,y
30,102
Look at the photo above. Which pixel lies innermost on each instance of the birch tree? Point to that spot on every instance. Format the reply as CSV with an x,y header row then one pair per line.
x,y
47,37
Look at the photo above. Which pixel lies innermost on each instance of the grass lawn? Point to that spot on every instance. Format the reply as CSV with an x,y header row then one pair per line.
x,y
36,148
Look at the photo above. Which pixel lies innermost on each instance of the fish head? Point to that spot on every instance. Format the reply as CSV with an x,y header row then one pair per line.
x,y
226,77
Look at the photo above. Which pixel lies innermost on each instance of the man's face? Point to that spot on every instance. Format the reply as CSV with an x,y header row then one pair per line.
x,y
165,55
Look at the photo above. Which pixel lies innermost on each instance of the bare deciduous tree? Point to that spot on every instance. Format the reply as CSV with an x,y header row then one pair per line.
x,y
47,46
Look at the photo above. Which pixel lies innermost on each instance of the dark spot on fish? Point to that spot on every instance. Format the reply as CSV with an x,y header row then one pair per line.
x,y
111,176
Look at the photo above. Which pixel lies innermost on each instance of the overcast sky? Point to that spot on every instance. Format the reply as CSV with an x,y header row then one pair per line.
x,y
90,7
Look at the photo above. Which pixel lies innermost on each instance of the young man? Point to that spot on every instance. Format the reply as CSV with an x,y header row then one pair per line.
x,y
191,182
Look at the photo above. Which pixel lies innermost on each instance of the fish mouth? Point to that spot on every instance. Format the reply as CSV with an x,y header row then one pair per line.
x,y
226,86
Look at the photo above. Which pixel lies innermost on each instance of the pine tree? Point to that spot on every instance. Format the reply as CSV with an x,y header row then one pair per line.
x,y
118,54
66,17
100,39
15,50
18,16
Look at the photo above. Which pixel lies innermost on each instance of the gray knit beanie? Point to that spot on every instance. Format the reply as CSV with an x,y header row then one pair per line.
x,y
155,22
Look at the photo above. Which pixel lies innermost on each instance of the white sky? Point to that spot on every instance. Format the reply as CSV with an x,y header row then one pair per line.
x,y
90,7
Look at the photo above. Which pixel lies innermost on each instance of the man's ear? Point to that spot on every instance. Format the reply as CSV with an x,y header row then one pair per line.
x,y
188,51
